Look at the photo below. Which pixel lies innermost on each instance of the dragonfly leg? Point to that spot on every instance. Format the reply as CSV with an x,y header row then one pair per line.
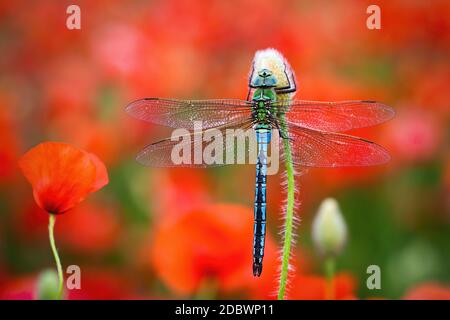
x,y
282,134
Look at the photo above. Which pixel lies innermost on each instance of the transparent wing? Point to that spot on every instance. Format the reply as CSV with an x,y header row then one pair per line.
x,y
230,144
336,116
182,113
312,148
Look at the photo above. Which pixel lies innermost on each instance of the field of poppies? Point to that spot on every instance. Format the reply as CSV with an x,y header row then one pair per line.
x,y
67,151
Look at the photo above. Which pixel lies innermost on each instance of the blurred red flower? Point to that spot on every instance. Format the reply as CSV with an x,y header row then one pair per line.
x,y
119,48
8,138
312,287
69,87
429,291
30,222
96,136
95,285
62,175
90,228
103,285
208,245
428,85
414,135
20,288
179,190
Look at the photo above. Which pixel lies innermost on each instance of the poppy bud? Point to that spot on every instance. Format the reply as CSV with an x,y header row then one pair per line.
x,y
329,231
47,285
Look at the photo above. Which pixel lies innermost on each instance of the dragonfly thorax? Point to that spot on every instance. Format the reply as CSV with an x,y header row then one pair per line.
x,y
263,109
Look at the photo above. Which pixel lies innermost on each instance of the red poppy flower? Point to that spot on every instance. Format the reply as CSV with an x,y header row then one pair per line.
x,y
429,291
209,245
62,175
95,285
311,287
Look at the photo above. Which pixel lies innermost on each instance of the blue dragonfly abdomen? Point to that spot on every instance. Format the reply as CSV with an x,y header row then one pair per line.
x,y
263,136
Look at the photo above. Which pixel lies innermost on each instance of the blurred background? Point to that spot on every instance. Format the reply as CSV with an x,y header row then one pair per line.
x,y
187,233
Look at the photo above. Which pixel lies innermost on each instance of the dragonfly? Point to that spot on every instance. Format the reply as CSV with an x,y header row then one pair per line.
x,y
314,130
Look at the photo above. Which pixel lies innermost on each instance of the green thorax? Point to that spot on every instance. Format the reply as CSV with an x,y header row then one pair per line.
x,y
261,97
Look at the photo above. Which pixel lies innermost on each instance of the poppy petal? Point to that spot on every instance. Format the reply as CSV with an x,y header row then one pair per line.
x,y
101,174
61,175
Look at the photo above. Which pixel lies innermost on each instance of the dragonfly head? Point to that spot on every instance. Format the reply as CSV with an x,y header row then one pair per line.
x,y
263,79
265,73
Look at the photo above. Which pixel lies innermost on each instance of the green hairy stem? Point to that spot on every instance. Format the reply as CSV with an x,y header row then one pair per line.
x,y
289,218
51,227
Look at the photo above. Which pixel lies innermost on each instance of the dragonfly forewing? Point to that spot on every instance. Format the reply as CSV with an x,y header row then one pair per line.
x,y
335,116
185,113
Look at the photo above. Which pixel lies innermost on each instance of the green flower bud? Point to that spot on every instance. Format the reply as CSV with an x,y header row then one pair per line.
x,y
329,231
47,285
